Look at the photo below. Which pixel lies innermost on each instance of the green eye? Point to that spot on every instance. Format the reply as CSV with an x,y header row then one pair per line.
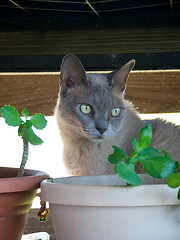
x,y
86,109
116,112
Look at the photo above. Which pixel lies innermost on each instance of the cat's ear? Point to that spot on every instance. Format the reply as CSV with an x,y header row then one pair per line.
x,y
121,76
72,72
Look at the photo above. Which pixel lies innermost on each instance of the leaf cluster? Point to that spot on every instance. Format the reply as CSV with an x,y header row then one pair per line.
x,y
156,164
12,118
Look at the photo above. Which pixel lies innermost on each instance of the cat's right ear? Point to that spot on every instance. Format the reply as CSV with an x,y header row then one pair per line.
x,y
72,72
121,76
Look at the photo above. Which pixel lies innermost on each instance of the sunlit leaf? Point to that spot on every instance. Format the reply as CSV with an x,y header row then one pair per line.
x,y
25,113
173,180
145,136
11,116
32,137
38,121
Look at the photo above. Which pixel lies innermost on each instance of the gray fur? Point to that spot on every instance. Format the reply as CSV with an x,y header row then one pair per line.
x,y
88,138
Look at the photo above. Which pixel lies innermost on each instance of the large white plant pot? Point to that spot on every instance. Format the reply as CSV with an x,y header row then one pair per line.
x,y
96,208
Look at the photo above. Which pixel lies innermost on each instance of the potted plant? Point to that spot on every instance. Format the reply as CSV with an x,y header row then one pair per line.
x,y
18,187
105,207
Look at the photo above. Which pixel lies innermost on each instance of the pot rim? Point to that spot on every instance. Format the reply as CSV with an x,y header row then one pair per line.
x,y
77,193
30,181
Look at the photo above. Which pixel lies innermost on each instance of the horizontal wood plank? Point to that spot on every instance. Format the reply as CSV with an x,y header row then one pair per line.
x,y
90,41
150,91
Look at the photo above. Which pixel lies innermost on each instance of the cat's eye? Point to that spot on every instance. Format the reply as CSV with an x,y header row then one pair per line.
x,y
86,109
115,112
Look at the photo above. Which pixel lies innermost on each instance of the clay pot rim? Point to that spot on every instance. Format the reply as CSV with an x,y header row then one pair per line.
x,y
30,181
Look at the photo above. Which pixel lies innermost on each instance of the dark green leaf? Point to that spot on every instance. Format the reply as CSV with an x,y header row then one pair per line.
x,y
28,123
145,136
155,164
178,196
20,130
32,137
177,166
25,113
127,173
117,156
38,121
173,180
11,116
166,154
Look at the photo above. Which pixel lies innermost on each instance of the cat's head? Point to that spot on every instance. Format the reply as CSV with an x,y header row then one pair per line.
x,y
91,105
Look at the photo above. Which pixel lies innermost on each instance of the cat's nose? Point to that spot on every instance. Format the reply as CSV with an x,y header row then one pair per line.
x,y
101,130
101,126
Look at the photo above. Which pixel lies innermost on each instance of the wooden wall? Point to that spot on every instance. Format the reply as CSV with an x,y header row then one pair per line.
x,y
150,91
90,41
99,49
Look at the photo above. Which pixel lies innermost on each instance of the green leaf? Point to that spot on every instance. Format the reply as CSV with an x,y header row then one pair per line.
x,y
28,123
155,164
127,173
38,121
32,137
117,156
178,196
166,154
145,136
135,145
177,166
11,116
173,180
20,130
25,113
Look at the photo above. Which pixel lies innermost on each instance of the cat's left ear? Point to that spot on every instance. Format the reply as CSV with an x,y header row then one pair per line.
x,y
121,76
72,72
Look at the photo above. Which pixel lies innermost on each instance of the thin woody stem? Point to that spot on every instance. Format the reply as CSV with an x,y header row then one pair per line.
x,y
24,157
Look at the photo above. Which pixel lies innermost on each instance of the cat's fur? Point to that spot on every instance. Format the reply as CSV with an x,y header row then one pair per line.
x,y
88,138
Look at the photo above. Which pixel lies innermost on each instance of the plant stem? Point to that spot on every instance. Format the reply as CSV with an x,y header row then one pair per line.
x,y
24,157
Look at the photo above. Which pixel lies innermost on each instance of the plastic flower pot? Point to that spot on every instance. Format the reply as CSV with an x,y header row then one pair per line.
x,y
100,207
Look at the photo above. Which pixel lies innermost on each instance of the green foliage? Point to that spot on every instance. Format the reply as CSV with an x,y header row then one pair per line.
x,y
156,164
12,118
38,121
145,136
32,137
117,156
126,172
173,180
25,113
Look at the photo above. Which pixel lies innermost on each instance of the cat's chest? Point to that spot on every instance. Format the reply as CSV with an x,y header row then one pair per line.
x,y
88,158
91,151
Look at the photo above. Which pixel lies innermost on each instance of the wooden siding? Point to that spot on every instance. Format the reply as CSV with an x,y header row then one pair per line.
x,y
98,41
150,91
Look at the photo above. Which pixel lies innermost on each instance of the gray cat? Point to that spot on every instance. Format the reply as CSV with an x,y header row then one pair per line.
x,y
92,116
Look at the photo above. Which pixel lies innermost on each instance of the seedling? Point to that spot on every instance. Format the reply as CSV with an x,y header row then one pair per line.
x,y
156,164
12,118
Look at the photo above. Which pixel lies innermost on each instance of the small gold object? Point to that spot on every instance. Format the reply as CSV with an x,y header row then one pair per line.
x,y
43,211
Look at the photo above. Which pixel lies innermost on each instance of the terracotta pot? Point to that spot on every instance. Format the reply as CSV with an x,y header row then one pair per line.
x,y
16,196
97,207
